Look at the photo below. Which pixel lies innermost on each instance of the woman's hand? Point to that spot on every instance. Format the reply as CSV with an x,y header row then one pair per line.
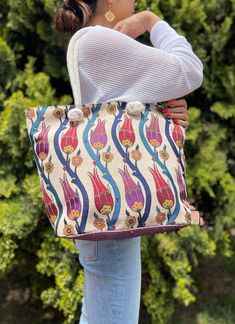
x,y
177,110
196,216
137,24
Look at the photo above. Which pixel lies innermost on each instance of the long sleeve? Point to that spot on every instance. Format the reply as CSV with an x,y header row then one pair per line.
x,y
114,66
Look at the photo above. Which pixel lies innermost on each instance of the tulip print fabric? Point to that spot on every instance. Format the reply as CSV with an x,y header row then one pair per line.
x,y
112,174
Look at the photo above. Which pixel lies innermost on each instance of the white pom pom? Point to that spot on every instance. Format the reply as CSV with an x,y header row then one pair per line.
x,y
135,107
75,115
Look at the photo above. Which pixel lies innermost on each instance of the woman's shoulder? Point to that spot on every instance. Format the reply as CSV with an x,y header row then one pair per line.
x,y
99,36
99,29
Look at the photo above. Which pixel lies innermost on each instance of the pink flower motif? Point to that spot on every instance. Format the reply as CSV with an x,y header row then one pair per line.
x,y
103,198
42,146
72,199
51,209
178,135
126,132
164,193
182,187
98,136
153,131
69,140
133,192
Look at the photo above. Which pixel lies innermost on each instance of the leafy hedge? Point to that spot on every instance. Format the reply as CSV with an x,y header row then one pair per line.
x,y
33,72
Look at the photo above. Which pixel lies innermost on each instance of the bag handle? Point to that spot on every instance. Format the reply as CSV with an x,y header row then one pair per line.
x,y
72,63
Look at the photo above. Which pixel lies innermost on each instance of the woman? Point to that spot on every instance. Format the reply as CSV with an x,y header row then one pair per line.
x,y
114,66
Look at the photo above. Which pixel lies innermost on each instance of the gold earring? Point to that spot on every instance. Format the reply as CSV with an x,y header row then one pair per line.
x,y
110,16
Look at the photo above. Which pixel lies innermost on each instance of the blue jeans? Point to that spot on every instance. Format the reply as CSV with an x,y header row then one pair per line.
x,y
112,288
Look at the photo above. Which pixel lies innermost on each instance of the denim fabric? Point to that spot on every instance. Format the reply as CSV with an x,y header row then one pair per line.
x,y
112,288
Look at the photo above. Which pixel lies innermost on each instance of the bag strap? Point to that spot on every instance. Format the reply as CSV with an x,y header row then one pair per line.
x,y
72,63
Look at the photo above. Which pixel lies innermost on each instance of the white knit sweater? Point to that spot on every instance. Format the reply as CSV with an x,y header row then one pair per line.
x,y
114,66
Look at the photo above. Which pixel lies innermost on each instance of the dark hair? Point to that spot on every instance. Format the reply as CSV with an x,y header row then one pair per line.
x,y
72,15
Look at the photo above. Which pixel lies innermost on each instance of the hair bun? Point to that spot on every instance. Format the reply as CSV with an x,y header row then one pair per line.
x,y
71,5
72,15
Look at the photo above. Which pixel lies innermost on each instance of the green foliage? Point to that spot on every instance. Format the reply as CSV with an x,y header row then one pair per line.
x,y
7,63
8,186
7,250
58,258
169,259
33,72
21,204
16,218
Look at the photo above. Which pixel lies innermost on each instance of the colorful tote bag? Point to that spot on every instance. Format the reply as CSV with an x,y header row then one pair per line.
x,y
108,170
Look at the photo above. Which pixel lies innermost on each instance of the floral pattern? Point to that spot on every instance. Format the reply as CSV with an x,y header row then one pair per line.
x,y
126,133
153,133
72,199
161,217
68,230
49,167
86,111
130,221
99,223
178,135
58,113
77,160
42,146
30,113
110,171
69,140
51,209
